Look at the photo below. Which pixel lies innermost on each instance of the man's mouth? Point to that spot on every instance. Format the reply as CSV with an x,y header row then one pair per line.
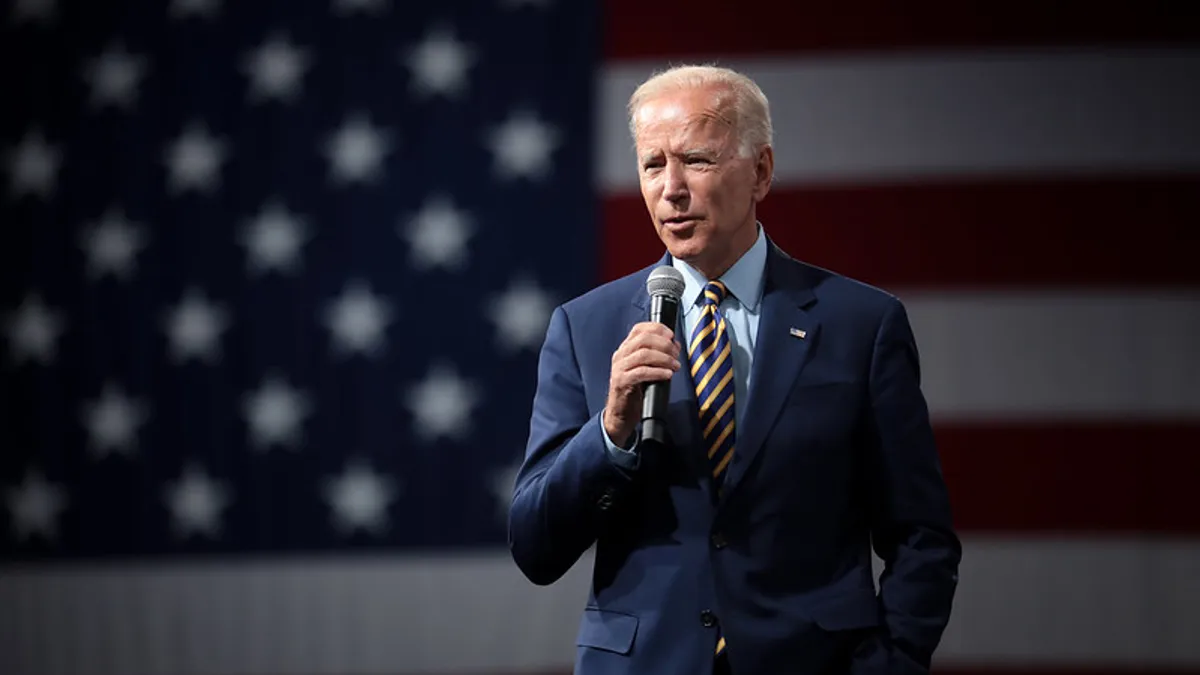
x,y
679,221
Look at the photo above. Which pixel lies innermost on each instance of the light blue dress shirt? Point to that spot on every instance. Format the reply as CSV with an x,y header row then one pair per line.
x,y
741,309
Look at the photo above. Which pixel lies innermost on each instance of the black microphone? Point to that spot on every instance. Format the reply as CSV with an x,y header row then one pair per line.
x,y
665,287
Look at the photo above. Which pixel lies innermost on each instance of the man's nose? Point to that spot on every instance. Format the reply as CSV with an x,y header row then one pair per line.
x,y
676,183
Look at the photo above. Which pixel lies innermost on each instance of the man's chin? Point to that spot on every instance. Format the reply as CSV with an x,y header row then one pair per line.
x,y
683,243
685,250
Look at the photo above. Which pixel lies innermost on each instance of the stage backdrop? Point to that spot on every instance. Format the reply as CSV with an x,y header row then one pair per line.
x,y
273,278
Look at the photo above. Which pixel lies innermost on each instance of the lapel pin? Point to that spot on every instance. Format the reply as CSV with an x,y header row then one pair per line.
x,y
796,332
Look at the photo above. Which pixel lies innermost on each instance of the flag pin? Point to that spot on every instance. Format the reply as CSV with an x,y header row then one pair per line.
x,y
796,332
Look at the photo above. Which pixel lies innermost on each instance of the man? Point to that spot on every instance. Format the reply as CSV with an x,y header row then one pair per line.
x,y
799,435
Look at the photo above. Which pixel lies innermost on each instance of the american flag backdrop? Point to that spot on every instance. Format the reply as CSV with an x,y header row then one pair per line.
x,y
273,277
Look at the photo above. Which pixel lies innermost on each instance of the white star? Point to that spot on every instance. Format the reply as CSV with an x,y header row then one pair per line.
x,y
111,245
34,11
33,331
112,421
194,327
275,412
503,481
360,498
33,165
196,502
345,7
439,64
438,234
114,77
181,9
441,404
274,238
356,150
522,146
357,319
275,69
35,506
521,315
194,160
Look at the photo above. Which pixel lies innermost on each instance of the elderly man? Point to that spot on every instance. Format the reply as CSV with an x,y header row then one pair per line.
x,y
798,436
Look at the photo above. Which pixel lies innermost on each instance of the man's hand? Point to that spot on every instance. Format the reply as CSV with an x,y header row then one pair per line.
x,y
648,354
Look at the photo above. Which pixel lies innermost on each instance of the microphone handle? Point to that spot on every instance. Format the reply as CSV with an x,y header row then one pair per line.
x,y
664,309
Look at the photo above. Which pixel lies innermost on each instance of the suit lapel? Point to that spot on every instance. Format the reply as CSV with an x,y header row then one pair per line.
x,y
786,334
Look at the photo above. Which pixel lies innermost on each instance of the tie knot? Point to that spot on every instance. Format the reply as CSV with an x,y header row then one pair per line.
x,y
714,293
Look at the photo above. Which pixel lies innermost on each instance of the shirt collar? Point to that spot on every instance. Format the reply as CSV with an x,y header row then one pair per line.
x,y
744,279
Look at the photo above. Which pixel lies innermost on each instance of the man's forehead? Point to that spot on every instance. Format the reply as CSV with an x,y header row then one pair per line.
x,y
681,112
696,132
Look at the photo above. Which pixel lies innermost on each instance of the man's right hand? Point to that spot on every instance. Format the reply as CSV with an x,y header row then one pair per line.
x,y
648,354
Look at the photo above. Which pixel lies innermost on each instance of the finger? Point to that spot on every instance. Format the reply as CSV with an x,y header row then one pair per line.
x,y
652,328
653,341
644,374
647,357
645,336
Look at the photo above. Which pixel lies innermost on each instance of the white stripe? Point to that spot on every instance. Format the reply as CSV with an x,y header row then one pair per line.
x,y
905,117
1058,355
308,617
1059,601
1092,601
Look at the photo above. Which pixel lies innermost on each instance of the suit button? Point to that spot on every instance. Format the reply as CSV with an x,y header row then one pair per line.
x,y
718,540
605,501
708,619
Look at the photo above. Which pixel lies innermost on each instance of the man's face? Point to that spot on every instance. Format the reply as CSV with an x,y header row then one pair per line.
x,y
700,194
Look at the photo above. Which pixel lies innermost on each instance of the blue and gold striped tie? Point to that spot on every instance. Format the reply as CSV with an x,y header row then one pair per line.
x,y
712,373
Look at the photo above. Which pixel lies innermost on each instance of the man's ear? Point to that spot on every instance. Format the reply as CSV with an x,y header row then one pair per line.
x,y
764,172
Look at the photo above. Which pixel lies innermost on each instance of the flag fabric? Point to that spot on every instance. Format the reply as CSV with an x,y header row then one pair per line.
x,y
275,280
275,276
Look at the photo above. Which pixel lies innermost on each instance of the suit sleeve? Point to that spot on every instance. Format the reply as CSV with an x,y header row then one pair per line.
x,y
912,528
571,482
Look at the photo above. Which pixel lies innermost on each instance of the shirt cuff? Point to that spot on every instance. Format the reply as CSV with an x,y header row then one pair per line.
x,y
626,459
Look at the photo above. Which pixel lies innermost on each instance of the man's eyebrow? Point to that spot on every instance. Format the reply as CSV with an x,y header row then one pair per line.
x,y
690,152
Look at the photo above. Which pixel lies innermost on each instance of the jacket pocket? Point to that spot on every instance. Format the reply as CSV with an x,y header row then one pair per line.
x,y
607,630
846,611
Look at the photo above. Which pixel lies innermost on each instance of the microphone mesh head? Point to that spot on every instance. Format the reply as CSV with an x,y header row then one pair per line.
x,y
665,280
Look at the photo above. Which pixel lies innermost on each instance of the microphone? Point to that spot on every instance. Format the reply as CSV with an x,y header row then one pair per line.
x,y
665,287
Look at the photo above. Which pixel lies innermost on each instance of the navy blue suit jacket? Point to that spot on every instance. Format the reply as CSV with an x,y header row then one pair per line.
x,y
835,454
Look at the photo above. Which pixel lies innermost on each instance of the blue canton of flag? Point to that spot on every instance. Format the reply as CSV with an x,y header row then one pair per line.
x,y
275,275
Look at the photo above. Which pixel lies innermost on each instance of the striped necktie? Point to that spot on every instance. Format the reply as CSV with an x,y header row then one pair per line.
x,y
712,373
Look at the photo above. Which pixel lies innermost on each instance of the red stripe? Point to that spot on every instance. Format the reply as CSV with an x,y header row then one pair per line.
x,y
704,29
1058,477
1034,233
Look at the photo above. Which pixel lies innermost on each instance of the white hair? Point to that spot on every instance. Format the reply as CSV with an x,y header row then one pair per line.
x,y
735,93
